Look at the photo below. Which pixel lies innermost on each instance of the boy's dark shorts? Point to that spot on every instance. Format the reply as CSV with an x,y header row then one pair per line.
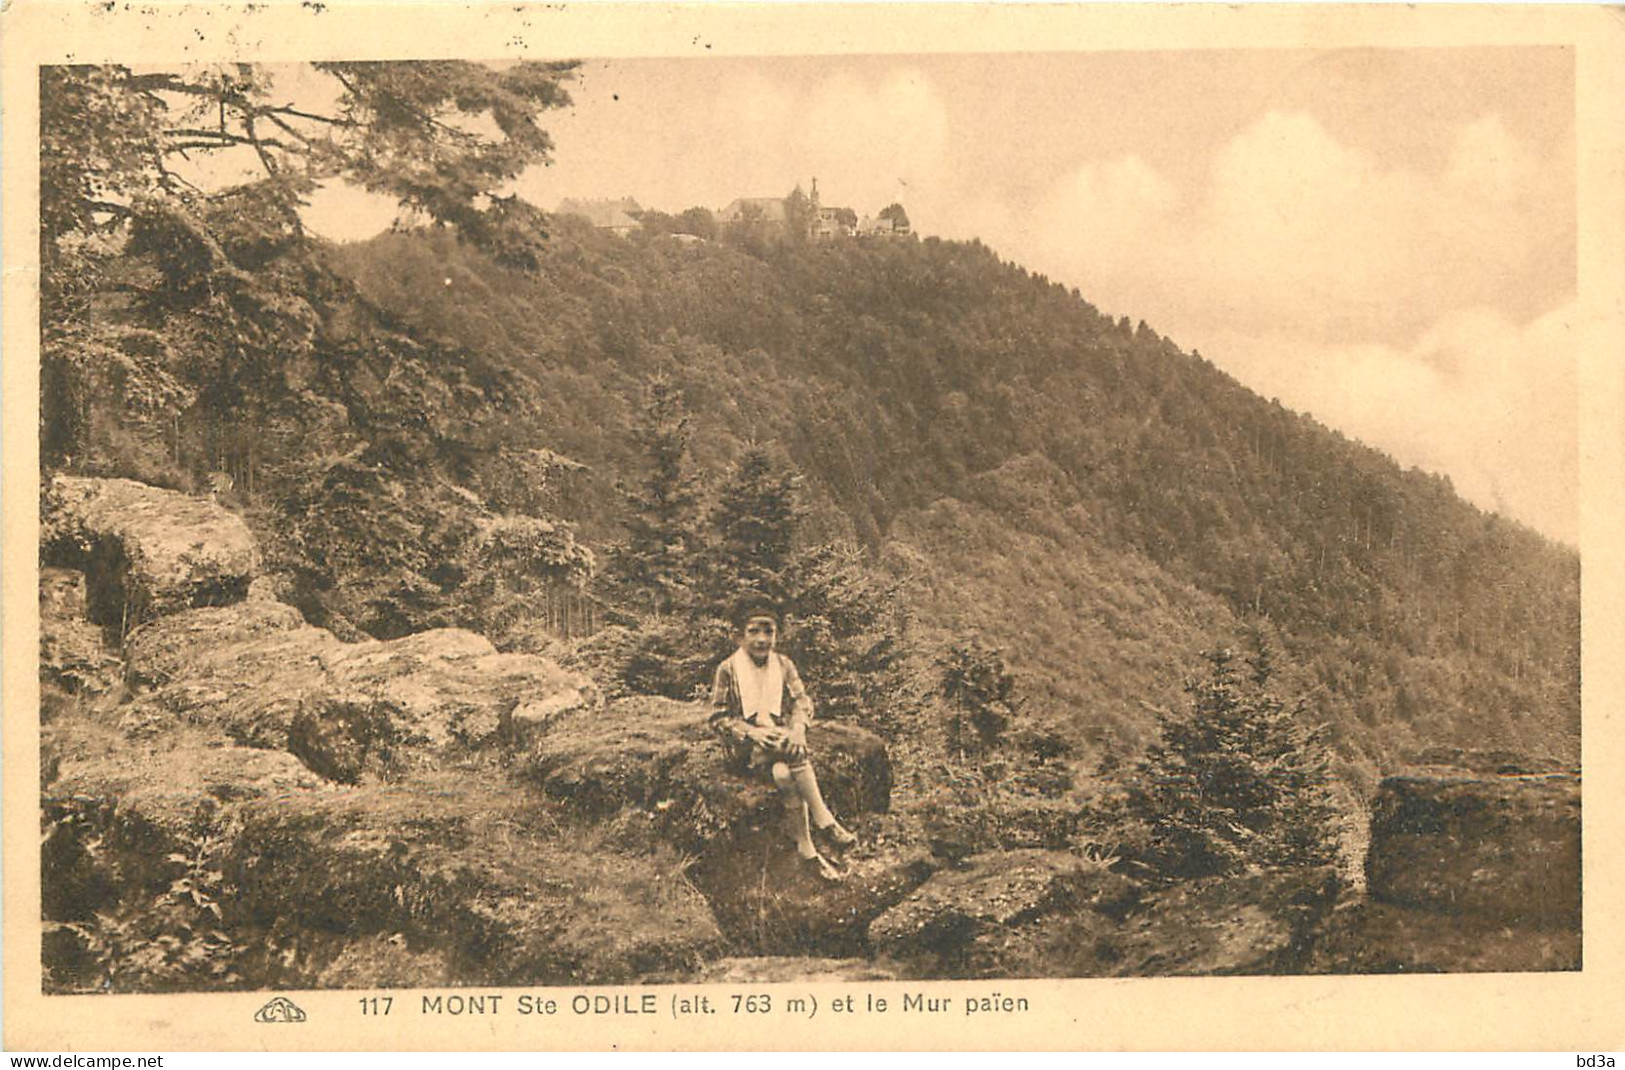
x,y
752,759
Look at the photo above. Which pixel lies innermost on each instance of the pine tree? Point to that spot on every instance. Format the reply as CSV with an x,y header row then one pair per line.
x,y
656,567
754,524
1235,781
848,629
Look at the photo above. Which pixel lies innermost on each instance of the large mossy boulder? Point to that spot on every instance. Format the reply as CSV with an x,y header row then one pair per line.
x,y
660,759
1261,922
117,809
655,769
452,876
213,641
954,924
145,551
765,899
1369,936
265,678
1502,847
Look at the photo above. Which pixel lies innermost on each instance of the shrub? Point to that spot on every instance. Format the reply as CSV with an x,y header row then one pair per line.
x,y
1237,780
981,694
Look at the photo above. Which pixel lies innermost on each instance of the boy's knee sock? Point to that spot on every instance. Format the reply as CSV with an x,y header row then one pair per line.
x,y
807,784
795,820
795,810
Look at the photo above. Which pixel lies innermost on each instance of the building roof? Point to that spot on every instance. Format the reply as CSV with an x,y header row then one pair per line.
x,y
772,209
612,214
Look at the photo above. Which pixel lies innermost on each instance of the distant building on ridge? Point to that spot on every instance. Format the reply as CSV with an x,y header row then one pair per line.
x,y
827,221
619,216
765,209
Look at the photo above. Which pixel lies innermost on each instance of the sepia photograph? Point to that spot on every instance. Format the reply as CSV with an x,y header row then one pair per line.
x,y
860,518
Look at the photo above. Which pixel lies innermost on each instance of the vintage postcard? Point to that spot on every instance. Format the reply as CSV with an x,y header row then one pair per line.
x,y
812,527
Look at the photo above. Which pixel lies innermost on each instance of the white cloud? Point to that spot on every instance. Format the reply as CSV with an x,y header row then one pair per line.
x,y
1490,403
1120,200
1294,229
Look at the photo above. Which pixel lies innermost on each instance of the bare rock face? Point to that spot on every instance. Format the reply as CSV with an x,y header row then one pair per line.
x,y
941,928
654,766
266,678
146,551
73,654
1498,847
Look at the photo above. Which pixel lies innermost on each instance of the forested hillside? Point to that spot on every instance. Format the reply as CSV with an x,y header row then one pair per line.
x,y
1076,490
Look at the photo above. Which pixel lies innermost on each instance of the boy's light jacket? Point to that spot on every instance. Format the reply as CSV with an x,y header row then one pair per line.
x,y
728,710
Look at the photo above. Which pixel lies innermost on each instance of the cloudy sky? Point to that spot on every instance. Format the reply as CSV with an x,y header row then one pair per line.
x,y
1382,238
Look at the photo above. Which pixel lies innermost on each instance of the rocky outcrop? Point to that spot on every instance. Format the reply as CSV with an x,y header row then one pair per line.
x,y
1255,923
768,903
210,641
655,766
265,678
117,809
451,871
263,804
1263,922
1368,936
145,551
1505,848
660,759
951,925
1041,913
271,806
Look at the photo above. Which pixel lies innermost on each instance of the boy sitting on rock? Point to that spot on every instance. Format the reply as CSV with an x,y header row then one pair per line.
x,y
749,697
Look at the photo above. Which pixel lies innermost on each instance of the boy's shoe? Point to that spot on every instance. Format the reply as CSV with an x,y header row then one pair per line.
x,y
835,836
819,868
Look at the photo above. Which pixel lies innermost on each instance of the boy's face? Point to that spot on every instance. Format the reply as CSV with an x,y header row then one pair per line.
x,y
760,635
